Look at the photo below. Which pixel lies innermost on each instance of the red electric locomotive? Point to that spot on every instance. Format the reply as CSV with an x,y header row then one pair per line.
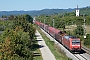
x,y
72,43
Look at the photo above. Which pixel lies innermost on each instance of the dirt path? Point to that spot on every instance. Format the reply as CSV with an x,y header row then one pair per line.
x,y
45,51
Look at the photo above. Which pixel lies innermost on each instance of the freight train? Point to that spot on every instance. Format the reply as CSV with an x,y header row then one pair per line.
x,y
72,43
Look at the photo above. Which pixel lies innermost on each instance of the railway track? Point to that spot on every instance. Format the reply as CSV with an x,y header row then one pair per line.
x,y
86,50
80,57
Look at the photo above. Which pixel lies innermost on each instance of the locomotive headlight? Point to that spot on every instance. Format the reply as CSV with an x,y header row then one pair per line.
x,y
75,45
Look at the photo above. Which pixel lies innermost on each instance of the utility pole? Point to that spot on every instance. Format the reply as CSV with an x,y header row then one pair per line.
x,y
84,27
44,24
53,22
63,23
44,21
53,27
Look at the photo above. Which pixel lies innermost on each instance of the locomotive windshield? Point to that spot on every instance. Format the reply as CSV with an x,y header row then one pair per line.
x,y
75,42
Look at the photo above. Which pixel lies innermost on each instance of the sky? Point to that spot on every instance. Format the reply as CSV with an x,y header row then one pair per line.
x,y
28,5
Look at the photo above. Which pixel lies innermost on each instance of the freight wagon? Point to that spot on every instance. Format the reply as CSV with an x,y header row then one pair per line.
x,y
70,42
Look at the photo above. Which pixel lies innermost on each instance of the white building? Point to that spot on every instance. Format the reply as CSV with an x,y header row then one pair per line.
x,y
34,20
77,11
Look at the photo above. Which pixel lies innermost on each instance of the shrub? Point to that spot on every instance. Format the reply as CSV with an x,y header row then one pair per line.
x,y
87,40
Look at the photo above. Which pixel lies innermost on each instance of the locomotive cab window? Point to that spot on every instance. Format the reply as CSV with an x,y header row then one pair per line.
x,y
75,42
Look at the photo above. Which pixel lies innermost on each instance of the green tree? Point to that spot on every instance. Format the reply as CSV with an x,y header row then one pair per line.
x,y
79,30
87,40
11,17
29,18
15,43
4,16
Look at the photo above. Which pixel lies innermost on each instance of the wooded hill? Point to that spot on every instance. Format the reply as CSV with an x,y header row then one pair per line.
x,y
84,10
37,12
